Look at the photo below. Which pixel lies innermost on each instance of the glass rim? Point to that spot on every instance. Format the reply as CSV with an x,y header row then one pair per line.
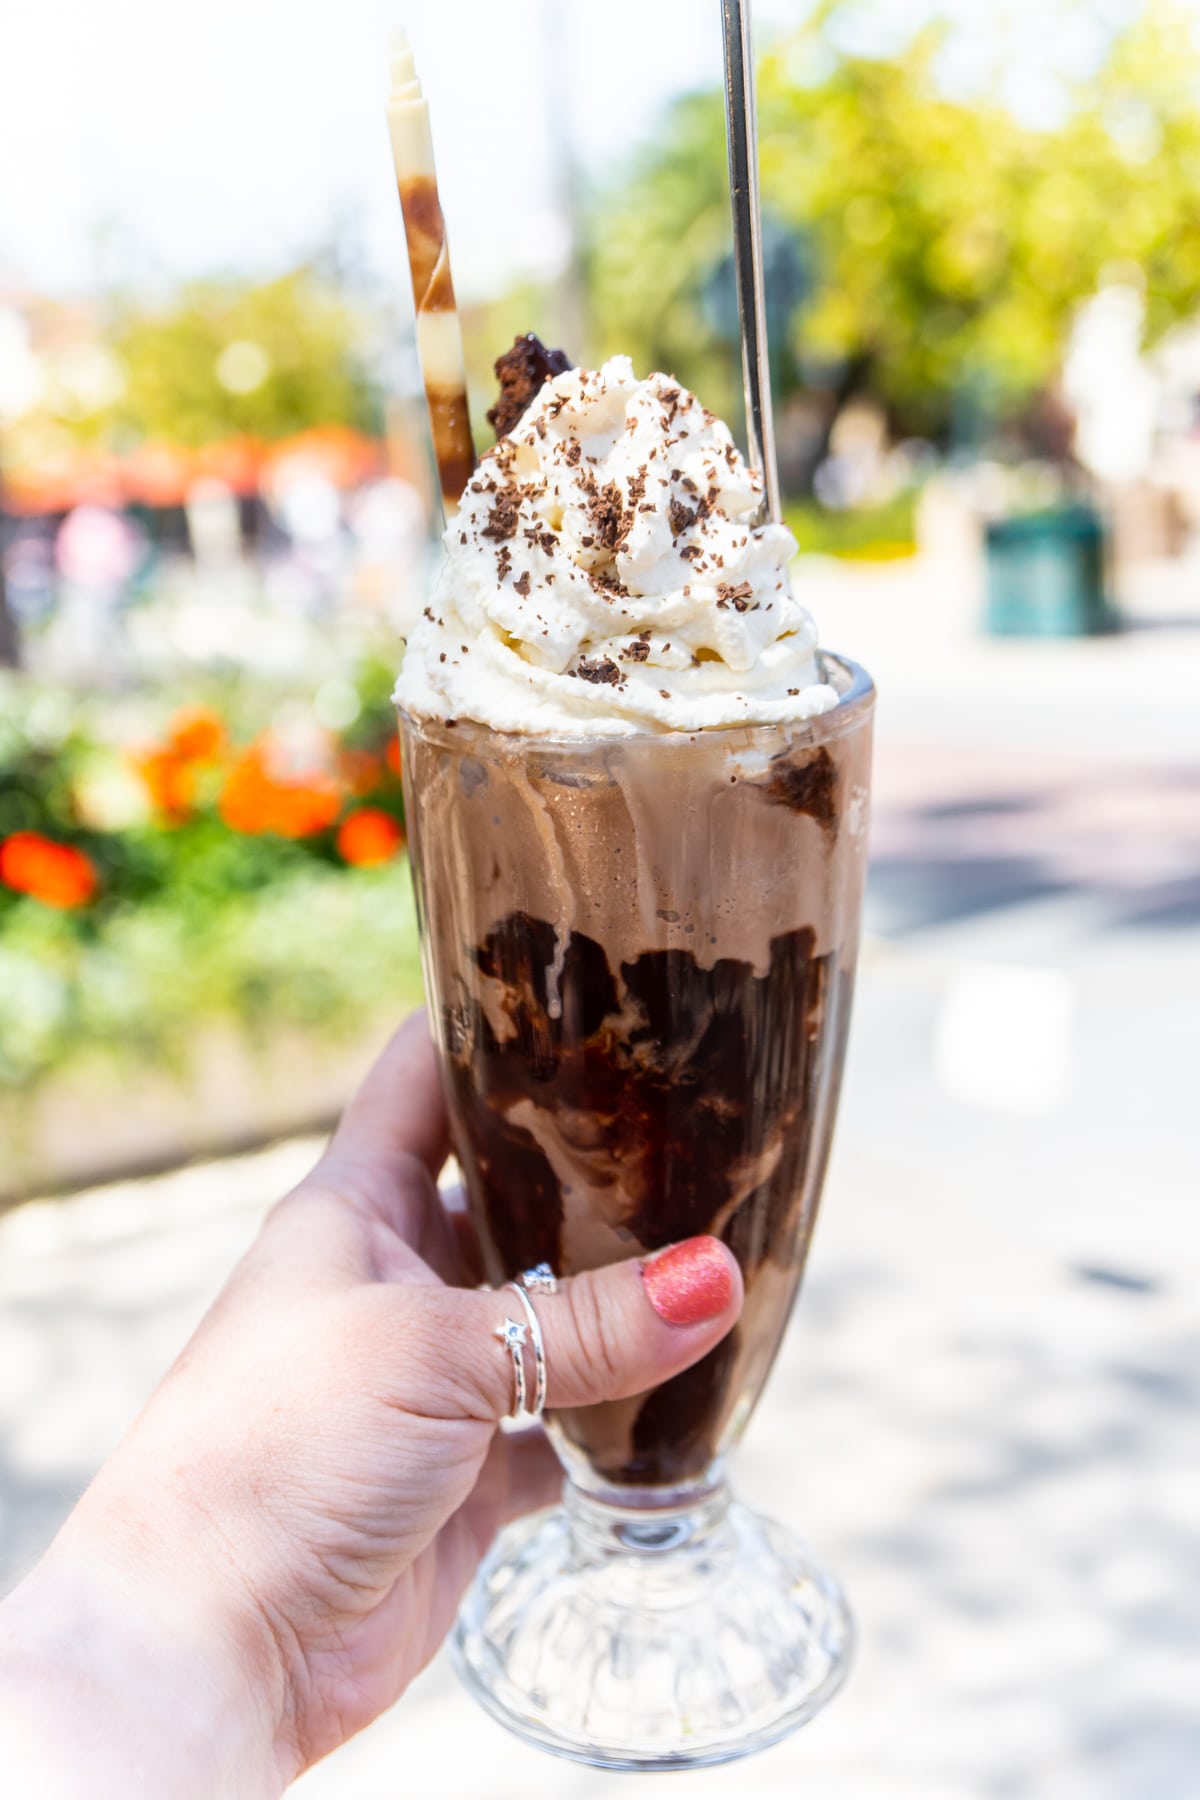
x,y
855,704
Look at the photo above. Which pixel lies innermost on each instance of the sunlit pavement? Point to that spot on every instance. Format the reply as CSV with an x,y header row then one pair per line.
x,y
987,1415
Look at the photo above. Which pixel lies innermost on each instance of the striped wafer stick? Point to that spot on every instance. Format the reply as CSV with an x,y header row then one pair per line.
x,y
439,333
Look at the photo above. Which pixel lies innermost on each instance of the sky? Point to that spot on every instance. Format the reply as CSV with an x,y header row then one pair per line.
x,y
186,139
229,134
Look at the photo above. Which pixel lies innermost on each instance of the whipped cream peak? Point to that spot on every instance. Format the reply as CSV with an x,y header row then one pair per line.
x,y
605,575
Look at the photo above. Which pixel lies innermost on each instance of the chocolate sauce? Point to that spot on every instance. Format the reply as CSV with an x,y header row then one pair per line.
x,y
680,1082
808,785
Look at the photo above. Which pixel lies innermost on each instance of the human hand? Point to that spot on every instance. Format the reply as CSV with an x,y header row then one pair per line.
x,y
281,1543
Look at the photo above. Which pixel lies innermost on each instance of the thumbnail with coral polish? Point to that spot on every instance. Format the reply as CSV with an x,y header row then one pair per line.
x,y
690,1282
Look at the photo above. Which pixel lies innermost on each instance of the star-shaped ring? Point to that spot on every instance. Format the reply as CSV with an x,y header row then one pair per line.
x,y
514,1336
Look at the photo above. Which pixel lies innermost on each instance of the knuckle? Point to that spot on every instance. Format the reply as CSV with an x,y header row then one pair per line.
x,y
280,1216
463,1359
596,1336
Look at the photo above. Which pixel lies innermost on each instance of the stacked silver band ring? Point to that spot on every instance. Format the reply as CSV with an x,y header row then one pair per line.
x,y
514,1336
539,1280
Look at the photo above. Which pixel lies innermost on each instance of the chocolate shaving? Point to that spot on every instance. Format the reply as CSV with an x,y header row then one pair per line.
x,y
521,372
522,584
681,517
612,520
607,585
600,669
737,594
505,515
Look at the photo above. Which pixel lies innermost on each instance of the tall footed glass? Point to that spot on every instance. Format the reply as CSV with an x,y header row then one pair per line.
x,y
640,956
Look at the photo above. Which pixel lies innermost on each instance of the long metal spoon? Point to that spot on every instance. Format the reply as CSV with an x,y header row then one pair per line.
x,y
742,134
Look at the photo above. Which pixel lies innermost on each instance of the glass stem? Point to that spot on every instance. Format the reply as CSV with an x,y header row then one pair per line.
x,y
606,1527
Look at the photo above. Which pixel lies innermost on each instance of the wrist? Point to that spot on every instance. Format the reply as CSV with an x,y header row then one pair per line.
x,y
111,1683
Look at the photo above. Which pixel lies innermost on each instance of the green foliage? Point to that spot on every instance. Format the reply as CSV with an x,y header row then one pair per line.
x,y
653,245
299,344
950,245
194,922
64,781
319,950
875,533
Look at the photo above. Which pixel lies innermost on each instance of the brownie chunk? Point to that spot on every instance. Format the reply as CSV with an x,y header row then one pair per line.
x,y
521,372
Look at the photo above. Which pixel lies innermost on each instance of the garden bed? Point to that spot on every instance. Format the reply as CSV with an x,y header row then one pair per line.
x,y
262,1030
206,921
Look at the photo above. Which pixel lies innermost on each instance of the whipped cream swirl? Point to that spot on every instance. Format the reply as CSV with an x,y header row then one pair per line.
x,y
603,577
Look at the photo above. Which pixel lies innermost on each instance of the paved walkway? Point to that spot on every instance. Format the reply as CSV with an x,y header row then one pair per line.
x,y
995,1445
986,1414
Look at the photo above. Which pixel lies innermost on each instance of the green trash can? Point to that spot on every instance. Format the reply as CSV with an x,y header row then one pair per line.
x,y
1046,575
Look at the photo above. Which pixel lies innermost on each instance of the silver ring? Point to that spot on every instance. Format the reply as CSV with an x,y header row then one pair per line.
x,y
513,1336
539,1280
539,1352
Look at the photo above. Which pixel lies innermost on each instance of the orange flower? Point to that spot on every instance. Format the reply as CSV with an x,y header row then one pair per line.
x,y
55,874
256,799
197,734
169,781
369,837
195,737
392,755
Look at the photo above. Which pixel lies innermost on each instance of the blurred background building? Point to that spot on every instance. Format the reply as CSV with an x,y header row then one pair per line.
x,y
216,519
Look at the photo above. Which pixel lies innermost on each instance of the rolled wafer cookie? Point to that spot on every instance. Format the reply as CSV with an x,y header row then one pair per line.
x,y
439,331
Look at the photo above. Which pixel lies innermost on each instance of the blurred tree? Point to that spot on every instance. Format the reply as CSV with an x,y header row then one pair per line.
x,y
947,245
651,251
228,358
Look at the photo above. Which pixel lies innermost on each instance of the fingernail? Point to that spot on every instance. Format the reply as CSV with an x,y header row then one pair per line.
x,y
689,1282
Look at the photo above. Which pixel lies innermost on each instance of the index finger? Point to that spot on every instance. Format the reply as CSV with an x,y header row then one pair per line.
x,y
398,1113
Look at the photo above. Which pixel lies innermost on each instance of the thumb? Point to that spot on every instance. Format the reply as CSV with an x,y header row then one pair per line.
x,y
608,1333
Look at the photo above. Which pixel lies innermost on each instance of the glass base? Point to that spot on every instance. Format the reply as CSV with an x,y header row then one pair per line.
x,y
652,1640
